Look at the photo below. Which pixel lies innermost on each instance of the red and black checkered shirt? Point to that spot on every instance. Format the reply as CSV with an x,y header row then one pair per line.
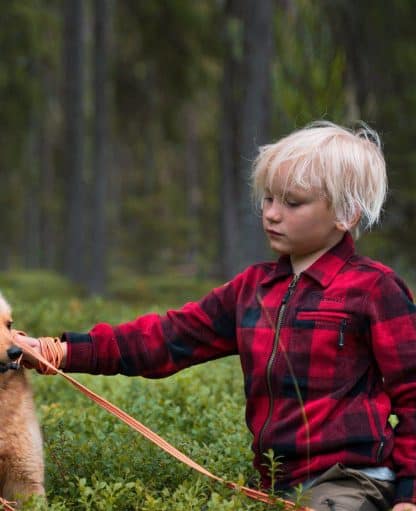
x,y
326,358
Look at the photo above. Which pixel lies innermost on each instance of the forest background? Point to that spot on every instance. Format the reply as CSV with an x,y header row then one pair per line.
x,y
128,127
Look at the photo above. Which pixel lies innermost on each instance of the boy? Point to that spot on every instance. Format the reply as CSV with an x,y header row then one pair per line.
x,y
326,338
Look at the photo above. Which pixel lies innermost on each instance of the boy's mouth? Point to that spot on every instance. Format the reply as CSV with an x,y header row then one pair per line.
x,y
274,234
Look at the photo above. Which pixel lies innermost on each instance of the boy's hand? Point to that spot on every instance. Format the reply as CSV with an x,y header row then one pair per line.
x,y
404,506
28,360
57,357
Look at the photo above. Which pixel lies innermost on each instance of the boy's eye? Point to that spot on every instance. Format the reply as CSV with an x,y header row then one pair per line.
x,y
292,203
9,324
267,199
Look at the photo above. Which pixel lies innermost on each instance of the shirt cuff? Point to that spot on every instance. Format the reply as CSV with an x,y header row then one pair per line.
x,y
79,355
95,353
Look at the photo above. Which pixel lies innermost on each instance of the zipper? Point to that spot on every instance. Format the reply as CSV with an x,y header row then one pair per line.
x,y
380,450
272,358
341,340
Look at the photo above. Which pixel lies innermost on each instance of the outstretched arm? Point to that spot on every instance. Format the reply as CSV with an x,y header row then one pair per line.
x,y
154,345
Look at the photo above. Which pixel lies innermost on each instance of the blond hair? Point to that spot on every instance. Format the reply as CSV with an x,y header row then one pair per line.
x,y
346,165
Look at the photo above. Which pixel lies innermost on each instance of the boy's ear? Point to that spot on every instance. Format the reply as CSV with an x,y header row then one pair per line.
x,y
341,226
344,226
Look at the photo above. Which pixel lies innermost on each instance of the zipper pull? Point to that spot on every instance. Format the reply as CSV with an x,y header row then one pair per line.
x,y
290,289
380,450
330,503
341,340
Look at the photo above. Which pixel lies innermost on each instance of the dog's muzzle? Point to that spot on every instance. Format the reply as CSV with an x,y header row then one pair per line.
x,y
13,353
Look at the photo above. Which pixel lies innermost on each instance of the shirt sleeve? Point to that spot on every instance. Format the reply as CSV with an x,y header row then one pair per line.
x,y
155,345
393,332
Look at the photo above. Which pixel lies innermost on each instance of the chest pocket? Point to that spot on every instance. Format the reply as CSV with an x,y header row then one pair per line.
x,y
338,325
333,349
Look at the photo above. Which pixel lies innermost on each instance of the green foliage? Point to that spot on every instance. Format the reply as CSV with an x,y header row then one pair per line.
x,y
96,462
28,41
166,289
24,27
71,310
34,285
149,64
274,466
309,73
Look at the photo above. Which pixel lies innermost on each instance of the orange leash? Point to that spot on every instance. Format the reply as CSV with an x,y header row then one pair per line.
x,y
7,505
52,350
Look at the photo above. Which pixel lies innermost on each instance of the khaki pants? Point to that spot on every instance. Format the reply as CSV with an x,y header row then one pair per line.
x,y
346,489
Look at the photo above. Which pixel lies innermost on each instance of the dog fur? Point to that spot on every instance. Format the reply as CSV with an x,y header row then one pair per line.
x,y
21,451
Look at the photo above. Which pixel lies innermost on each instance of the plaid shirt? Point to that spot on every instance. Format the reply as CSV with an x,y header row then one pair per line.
x,y
326,358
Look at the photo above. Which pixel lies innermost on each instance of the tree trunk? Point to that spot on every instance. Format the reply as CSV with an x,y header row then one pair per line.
x,y
229,145
31,225
97,280
193,186
74,244
255,121
48,241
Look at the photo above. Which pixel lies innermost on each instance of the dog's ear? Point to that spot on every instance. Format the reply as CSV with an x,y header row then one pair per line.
x,y
4,306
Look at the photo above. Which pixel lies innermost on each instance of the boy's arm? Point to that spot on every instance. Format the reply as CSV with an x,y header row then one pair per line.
x,y
393,333
156,346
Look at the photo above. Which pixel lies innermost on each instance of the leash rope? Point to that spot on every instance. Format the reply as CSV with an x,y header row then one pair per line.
x,y
51,350
7,505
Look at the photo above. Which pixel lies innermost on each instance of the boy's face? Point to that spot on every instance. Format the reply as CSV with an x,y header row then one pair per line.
x,y
299,223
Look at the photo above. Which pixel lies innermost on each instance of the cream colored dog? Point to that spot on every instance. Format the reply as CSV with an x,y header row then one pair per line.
x,y
21,453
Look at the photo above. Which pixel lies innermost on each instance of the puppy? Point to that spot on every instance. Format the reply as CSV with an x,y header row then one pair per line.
x,y
21,453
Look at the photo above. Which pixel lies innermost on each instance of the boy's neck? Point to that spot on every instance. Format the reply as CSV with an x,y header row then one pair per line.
x,y
303,262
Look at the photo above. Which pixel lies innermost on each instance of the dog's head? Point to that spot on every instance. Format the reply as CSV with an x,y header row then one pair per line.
x,y
9,353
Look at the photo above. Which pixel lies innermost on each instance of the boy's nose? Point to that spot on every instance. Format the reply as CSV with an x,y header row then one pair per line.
x,y
274,211
14,352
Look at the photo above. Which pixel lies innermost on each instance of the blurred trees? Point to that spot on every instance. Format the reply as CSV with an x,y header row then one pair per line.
x,y
378,41
74,138
101,144
128,128
27,115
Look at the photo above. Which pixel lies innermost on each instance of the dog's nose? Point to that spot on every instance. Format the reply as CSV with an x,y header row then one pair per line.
x,y
14,352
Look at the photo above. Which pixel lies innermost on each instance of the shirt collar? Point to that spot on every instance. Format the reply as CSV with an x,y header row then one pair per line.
x,y
323,270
